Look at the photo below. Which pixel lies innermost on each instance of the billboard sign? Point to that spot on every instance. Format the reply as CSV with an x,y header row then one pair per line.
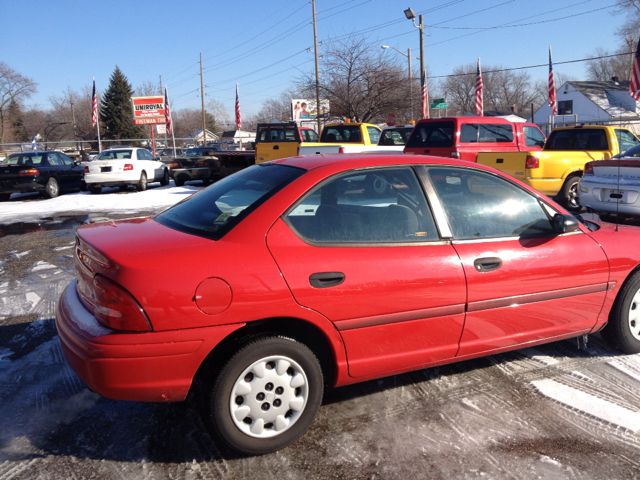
x,y
148,110
305,109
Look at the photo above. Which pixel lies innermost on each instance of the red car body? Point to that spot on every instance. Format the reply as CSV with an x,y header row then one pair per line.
x,y
400,307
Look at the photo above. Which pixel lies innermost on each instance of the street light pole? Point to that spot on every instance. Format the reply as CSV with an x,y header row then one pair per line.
x,y
423,74
408,55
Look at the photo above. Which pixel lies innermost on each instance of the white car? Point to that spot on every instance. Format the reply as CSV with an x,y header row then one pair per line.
x,y
123,167
612,186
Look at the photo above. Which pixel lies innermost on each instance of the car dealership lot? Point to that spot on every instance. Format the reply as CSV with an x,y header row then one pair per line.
x,y
551,411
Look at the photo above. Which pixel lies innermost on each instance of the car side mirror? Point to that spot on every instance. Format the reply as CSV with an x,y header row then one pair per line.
x,y
563,223
157,159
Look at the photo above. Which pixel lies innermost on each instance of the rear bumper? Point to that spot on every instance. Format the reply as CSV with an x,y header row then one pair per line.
x,y
187,174
152,367
21,186
110,179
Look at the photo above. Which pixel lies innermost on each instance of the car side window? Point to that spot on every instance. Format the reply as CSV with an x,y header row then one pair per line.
x,y
626,139
374,134
480,205
533,137
65,159
54,159
384,205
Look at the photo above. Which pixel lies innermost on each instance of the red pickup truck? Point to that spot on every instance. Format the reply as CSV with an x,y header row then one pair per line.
x,y
464,137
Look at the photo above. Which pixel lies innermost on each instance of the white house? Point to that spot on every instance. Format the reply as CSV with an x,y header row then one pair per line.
x,y
591,102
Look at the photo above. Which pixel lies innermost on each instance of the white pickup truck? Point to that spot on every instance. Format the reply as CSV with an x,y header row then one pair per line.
x,y
358,138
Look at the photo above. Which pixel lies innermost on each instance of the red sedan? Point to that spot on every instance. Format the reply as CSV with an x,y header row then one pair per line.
x,y
307,272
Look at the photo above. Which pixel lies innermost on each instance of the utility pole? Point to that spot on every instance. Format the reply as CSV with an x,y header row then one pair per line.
x,y
410,85
204,120
315,43
73,118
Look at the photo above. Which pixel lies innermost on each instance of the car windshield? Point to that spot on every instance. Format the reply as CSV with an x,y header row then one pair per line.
x,y
213,212
114,155
193,152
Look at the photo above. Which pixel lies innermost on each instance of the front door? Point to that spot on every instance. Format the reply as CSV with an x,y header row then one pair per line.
x,y
363,250
525,283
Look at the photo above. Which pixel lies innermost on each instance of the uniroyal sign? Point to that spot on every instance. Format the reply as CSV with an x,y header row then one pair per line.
x,y
148,110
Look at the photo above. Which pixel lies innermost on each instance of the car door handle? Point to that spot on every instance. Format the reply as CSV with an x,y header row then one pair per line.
x,y
426,150
276,147
326,279
487,264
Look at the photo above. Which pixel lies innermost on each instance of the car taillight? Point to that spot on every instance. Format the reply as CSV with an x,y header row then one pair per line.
x,y
205,163
127,166
86,169
341,150
455,154
32,172
588,169
116,308
174,165
532,162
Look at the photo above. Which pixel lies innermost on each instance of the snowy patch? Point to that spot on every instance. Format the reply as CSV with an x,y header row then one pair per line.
x,y
57,249
22,254
585,402
42,266
630,366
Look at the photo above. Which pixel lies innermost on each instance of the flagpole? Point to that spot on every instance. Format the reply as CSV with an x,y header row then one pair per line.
x,y
170,119
99,142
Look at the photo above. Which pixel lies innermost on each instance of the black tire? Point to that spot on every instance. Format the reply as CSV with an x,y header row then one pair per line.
x,y
262,417
52,189
123,188
178,181
94,189
4,197
568,195
141,186
165,178
623,330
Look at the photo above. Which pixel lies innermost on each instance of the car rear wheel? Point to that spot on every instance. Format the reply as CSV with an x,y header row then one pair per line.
x,y
4,197
623,330
123,187
266,396
142,183
569,194
95,189
179,182
165,178
53,188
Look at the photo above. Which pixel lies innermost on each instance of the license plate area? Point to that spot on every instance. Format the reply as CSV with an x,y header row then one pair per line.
x,y
105,169
616,196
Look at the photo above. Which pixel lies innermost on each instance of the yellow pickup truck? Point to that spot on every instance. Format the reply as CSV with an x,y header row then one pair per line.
x,y
557,168
335,138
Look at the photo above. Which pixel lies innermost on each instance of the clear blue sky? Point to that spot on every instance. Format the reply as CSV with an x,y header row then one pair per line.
x,y
262,45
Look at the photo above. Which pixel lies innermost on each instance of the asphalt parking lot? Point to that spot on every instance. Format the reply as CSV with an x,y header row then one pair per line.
x,y
553,411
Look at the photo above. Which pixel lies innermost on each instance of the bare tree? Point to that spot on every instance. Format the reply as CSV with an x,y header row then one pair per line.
x,y
361,81
503,89
148,89
604,69
13,88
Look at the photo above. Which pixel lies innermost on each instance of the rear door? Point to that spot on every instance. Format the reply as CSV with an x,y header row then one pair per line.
x,y
363,250
524,282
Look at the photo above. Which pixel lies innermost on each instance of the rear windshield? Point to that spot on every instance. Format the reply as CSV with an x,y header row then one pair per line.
x,y
578,139
486,133
279,133
395,136
432,135
114,155
341,134
213,212
23,159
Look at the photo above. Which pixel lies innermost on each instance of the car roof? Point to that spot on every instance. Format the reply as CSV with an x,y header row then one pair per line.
x,y
363,160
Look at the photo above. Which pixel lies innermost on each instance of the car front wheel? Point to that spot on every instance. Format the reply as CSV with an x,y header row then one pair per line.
x,y
569,194
165,178
623,330
266,396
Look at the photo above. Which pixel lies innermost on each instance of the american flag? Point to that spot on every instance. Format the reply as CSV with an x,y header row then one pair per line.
x,y
167,111
553,101
425,97
94,108
238,116
479,88
634,84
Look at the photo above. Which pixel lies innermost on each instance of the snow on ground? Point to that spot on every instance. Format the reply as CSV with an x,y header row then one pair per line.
x,y
113,201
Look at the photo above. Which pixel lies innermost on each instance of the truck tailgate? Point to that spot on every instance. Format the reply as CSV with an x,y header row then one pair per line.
x,y
512,163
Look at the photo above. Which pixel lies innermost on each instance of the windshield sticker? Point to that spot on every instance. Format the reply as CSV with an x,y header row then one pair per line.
x,y
222,218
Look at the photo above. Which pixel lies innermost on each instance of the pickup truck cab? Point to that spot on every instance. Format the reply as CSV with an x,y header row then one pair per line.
x,y
345,137
558,167
281,140
464,137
